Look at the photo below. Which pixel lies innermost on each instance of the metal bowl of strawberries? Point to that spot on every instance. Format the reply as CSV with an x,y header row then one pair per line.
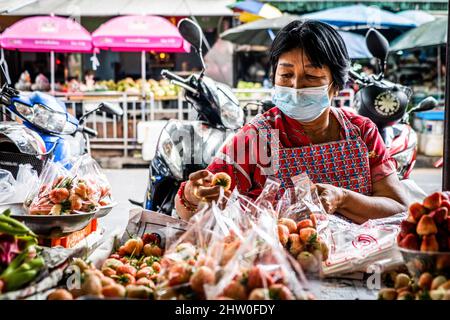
x,y
424,240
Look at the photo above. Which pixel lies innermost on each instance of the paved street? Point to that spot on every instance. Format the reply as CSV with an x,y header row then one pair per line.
x,y
131,183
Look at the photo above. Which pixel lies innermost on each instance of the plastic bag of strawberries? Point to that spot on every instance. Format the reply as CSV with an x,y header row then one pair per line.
x,y
76,185
303,224
261,269
197,259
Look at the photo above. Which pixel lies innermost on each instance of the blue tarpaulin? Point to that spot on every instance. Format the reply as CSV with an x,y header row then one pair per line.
x,y
360,15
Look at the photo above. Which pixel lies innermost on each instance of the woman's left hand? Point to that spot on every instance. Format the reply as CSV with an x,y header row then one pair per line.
x,y
331,197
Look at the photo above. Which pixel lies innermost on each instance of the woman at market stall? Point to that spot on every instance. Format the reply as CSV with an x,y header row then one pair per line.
x,y
342,153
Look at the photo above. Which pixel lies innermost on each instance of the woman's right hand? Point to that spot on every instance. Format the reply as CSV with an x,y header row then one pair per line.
x,y
199,187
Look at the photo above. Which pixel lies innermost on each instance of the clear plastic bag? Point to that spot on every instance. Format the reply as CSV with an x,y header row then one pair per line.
x,y
198,258
15,190
303,224
7,186
355,248
61,191
260,269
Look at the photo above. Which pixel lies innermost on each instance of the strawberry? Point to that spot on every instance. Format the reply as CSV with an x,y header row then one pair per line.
x,y
400,237
445,204
433,201
426,226
407,227
258,278
429,244
411,241
439,215
307,223
292,226
283,234
416,211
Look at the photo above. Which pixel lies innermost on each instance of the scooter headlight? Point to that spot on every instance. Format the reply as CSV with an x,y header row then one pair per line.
x,y
170,154
42,117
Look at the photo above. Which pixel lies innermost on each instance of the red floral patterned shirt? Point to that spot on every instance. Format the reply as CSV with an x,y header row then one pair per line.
x,y
249,175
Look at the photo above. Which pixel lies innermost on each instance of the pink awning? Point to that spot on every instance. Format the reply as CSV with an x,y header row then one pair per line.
x,y
139,33
45,34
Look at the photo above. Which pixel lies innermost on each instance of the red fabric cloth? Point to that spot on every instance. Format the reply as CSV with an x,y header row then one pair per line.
x,y
249,175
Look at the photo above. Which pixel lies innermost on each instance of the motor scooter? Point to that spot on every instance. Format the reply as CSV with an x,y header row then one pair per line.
x,y
46,131
387,104
184,147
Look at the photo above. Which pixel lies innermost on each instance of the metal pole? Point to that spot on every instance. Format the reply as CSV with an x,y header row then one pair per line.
x,y
446,173
143,72
52,72
439,76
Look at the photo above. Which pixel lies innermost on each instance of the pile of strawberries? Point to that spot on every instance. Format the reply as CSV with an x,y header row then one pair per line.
x,y
130,272
427,227
303,242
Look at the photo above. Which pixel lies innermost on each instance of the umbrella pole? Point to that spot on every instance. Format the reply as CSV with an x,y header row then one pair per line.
x,y
143,72
446,173
52,72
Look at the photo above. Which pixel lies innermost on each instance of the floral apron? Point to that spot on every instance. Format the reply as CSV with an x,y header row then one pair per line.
x,y
343,163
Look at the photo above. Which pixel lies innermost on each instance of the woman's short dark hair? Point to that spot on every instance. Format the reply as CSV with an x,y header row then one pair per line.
x,y
319,41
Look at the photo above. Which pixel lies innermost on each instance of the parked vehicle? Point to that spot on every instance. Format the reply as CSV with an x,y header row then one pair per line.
x,y
45,130
387,105
187,146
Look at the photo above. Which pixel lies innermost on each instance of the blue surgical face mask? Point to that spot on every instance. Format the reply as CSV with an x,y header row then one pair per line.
x,y
305,105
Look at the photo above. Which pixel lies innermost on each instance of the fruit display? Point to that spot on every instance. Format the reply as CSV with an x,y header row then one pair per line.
x,y
131,272
427,227
302,241
247,86
426,287
20,257
68,195
161,89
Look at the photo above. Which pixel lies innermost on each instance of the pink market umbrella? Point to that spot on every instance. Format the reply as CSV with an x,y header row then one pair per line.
x,y
47,34
139,34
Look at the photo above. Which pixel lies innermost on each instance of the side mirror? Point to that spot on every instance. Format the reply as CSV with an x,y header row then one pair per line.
x,y
378,46
426,104
104,106
193,34
111,108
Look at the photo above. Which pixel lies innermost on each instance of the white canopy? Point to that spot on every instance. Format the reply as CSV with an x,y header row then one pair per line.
x,y
116,7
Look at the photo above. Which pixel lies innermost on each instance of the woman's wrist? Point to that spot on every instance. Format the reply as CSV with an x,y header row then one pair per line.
x,y
184,201
343,198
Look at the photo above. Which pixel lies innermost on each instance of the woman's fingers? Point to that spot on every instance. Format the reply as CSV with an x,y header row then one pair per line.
x,y
208,192
320,187
201,174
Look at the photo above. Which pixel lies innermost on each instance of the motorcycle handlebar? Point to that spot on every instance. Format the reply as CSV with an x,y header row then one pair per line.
x,y
171,76
355,75
89,131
